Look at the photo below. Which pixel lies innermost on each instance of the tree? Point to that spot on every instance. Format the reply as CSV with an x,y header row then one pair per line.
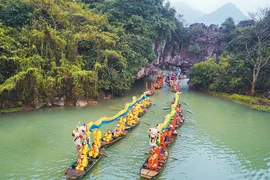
x,y
257,45
203,74
195,50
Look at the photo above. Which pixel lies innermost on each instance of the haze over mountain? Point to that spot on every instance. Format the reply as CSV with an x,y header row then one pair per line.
x,y
222,13
189,14
216,17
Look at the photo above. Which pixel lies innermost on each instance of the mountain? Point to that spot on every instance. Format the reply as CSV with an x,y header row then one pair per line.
x,y
189,14
222,13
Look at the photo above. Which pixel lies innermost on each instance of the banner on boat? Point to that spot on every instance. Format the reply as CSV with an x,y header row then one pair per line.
x,y
170,116
108,120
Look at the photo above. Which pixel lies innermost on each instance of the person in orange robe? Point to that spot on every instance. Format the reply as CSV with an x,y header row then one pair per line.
x,y
152,161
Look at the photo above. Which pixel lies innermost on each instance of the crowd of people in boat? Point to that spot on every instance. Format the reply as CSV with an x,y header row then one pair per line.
x,y
82,134
171,79
159,81
160,139
151,91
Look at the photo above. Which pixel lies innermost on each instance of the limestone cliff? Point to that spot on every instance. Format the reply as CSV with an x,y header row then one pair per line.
x,y
204,42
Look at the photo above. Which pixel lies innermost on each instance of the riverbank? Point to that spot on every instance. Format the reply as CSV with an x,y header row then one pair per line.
x,y
257,103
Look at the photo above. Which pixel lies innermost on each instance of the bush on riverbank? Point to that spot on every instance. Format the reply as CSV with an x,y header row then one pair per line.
x,y
257,103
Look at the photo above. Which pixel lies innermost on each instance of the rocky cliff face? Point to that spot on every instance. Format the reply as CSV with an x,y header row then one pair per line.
x,y
204,42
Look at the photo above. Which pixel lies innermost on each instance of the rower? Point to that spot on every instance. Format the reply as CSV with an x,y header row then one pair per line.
x,y
82,163
131,120
97,137
162,140
94,152
122,122
117,131
84,148
152,160
108,136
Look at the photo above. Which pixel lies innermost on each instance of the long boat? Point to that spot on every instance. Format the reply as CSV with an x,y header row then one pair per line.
x,y
72,173
151,174
115,139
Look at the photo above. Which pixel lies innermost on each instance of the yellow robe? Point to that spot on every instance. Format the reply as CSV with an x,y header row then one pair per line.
x,y
94,151
123,123
82,163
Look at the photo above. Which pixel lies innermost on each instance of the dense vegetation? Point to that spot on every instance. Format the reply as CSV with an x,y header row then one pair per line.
x,y
244,68
78,49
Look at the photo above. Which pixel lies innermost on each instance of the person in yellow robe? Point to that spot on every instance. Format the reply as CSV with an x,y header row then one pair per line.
x,y
118,132
108,136
97,137
94,152
82,163
122,122
131,120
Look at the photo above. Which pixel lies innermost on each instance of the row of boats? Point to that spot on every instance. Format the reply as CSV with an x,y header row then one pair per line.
x,y
73,173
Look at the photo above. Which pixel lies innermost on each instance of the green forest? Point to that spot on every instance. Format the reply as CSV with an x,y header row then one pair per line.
x,y
87,48
244,66
57,48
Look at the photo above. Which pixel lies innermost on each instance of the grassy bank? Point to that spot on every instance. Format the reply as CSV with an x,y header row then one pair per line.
x,y
257,103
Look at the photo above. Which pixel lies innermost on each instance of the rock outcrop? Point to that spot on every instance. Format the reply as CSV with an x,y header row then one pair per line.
x,y
205,41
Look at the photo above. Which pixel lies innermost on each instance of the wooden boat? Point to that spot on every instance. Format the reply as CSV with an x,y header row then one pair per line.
x,y
151,174
142,113
115,139
72,173
129,128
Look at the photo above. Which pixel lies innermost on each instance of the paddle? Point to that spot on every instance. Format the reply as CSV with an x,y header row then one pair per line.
x,y
145,123
166,108
184,103
152,112
168,156
103,154
188,111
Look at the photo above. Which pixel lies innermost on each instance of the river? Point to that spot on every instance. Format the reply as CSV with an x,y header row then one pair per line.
x,y
220,140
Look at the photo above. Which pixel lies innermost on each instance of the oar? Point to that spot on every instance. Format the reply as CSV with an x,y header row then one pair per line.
x,y
168,156
145,123
184,103
103,154
173,157
188,111
152,112
166,108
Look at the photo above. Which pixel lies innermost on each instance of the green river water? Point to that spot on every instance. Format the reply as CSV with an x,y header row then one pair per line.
x,y
220,140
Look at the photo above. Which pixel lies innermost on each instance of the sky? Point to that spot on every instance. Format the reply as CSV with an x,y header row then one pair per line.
x,y
208,6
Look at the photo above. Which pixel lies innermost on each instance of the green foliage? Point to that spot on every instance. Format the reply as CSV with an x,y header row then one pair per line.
x,y
195,50
257,103
203,74
77,49
16,13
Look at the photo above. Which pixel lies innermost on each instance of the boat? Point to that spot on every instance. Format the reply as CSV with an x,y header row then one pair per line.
x,y
129,128
141,113
115,139
151,174
72,173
